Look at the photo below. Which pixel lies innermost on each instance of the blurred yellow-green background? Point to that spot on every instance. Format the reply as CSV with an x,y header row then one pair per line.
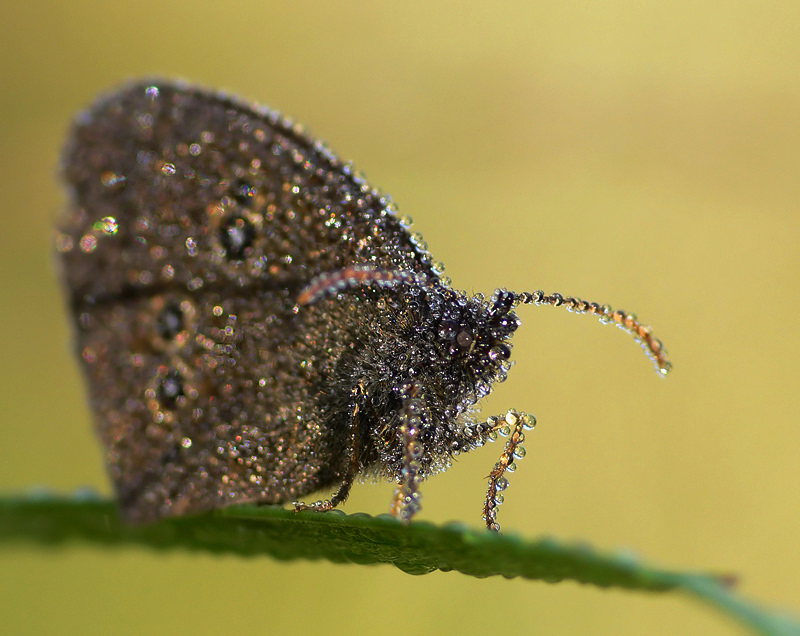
x,y
637,153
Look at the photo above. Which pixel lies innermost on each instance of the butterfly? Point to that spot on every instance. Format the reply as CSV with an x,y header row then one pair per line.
x,y
256,322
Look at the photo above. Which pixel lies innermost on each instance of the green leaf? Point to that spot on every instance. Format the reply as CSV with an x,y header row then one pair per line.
x,y
418,548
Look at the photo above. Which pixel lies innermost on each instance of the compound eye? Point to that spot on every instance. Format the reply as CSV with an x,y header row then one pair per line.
x,y
464,339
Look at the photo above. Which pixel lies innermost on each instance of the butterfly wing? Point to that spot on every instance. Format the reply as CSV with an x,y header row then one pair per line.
x,y
194,221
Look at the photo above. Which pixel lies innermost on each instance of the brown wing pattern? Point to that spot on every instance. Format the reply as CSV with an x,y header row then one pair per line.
x,y
194,221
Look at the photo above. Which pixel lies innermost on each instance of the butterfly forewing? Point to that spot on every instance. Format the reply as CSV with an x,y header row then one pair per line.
x,y
194,221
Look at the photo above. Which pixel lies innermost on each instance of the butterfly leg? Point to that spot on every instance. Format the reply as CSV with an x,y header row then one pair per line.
x,y
352,468
406,500
513,425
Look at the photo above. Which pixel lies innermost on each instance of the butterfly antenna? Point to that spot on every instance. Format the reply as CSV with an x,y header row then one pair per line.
x,y
628,322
